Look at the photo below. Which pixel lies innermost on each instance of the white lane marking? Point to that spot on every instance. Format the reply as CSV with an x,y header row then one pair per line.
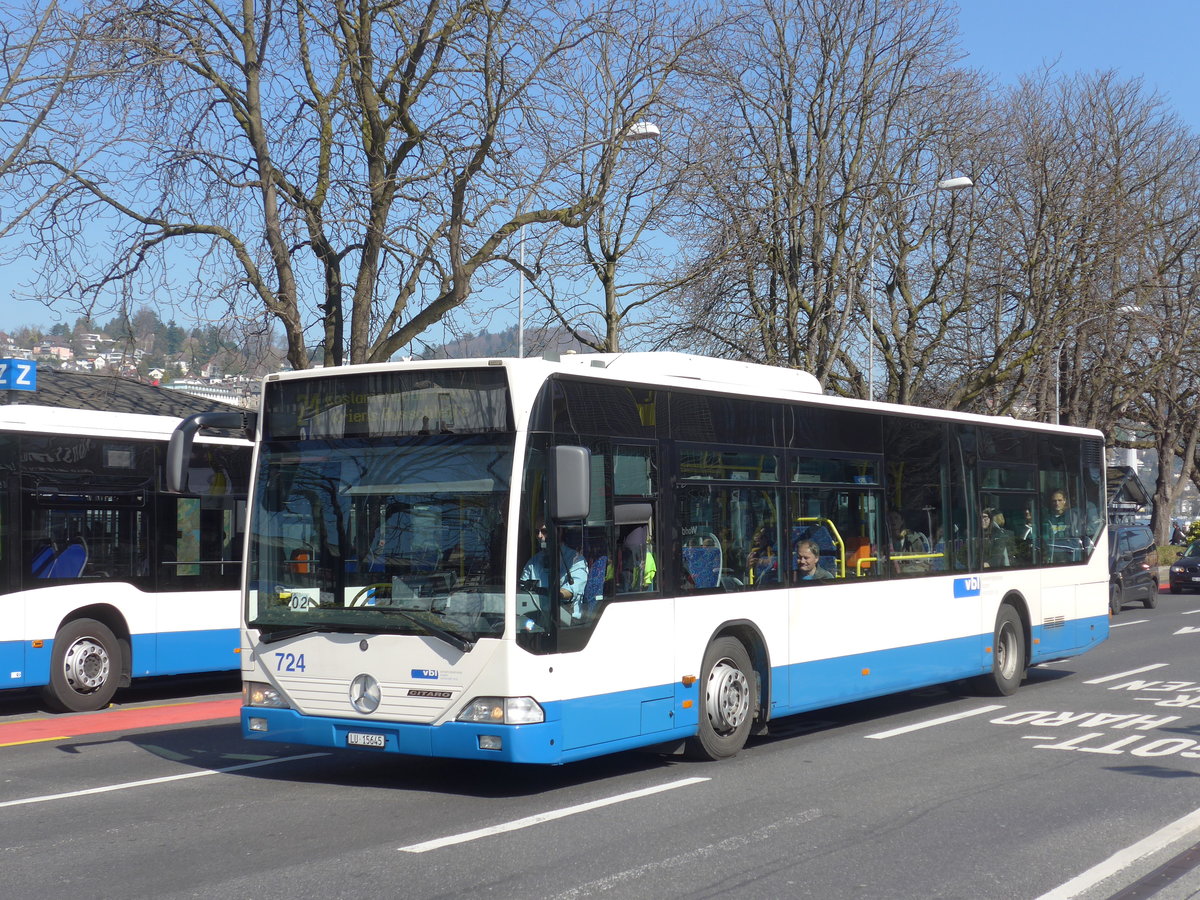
x,y
942,721
1188,612
550,816
1126,674
134,784
1123,859
686,862
1123,624
1188,629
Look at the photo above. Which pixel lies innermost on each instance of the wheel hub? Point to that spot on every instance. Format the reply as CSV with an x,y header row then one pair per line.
x,y
86,665
727,698
1006,652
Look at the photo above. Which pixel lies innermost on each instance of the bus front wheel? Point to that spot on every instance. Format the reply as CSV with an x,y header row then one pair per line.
x,y
1008,655
85,667
728,701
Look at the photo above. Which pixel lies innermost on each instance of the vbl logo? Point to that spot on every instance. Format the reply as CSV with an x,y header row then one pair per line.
x,y
967,587
425,673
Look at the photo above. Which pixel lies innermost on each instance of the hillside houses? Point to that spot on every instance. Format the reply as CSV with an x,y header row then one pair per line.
x,y
96,353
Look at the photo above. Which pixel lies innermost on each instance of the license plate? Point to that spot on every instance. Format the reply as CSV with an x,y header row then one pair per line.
x,y
1196,578
359,739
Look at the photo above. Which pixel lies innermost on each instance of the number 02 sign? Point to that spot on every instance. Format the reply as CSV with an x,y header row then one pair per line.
x,y
18,374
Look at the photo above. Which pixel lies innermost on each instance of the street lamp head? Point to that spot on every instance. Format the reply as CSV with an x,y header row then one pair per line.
x,y
955,184
641,131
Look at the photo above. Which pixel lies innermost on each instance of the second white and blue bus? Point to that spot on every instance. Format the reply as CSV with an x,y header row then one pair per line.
x,y
107,577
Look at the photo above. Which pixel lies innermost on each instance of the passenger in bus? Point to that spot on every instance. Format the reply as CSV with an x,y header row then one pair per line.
x,y
572,569
907,542
1026,531
808,562
762,562
1061,529
638,565
996,541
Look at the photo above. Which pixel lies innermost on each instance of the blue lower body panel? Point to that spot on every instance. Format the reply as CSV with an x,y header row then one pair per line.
x,y
175,653
181,652
607,723
541,743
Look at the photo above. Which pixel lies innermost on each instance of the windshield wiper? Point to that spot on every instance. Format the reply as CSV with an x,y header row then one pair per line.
x,y
457,641
272,637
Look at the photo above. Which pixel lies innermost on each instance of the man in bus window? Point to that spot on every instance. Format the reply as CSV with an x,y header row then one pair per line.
x,y
1061,529
808,562
572,569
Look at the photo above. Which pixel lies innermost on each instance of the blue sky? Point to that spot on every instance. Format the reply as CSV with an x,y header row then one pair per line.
x,y
1154,39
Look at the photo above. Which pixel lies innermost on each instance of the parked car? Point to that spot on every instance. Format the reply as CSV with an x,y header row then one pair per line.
x,y
1133,567
1185,573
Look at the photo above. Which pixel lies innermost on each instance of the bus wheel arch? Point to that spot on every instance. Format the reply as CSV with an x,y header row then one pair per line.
x,y
1010,648
732,691
89,660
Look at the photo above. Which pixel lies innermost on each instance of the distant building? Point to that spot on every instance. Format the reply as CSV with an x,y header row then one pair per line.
x,y
236,394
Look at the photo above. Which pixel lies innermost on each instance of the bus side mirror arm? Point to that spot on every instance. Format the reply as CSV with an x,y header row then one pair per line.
x,y
179,450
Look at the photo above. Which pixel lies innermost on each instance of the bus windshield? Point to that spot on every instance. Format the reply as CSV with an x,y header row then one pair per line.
x,y
399,535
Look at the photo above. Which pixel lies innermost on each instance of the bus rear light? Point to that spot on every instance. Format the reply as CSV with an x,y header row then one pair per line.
x,y
256,693
503,711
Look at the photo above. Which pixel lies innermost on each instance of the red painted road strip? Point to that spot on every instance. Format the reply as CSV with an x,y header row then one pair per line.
x,y
32,730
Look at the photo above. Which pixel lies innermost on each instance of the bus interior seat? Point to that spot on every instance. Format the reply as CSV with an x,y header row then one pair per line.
x,y
704,562
857,549
40,565
597,575
298,562
69,562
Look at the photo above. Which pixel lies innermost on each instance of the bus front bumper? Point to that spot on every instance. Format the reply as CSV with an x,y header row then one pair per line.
x,y
540,743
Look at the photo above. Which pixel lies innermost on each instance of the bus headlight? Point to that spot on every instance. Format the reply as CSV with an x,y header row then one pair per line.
x,y
503,711
256,693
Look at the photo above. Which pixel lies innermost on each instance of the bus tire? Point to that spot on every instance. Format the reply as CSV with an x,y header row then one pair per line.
x,y
728,702
1008,655
85,667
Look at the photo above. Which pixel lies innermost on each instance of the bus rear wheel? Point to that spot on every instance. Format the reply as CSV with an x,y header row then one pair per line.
x,y
728,701
1008,655
85,667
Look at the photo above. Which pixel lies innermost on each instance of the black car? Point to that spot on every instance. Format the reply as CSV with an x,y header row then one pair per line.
x,y
1133,567
1185,573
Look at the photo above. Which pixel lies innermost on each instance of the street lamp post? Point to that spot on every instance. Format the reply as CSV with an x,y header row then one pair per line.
x,y
946,184
638,131
1058,356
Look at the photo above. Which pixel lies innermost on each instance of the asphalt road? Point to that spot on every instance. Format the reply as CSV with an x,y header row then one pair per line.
x,y
1083,784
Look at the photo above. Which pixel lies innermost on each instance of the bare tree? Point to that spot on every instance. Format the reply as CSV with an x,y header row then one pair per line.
x,y
605,278
39,52
350,169
1083,192
810,98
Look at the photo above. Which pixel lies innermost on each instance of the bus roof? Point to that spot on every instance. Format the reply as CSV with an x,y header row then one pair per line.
x,y
69,402
685,371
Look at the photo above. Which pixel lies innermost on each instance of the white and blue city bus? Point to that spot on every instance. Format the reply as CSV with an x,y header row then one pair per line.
x,y
107,577
551,559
